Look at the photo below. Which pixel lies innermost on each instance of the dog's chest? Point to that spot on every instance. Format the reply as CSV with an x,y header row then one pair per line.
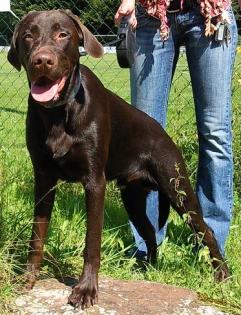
x,y
63,144
68,159
69,154
73,166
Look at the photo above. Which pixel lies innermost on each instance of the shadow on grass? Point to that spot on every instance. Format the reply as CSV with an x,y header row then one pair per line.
x,y
10,110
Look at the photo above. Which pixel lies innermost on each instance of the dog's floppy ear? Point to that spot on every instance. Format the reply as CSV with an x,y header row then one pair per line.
x,y
13,55
92,46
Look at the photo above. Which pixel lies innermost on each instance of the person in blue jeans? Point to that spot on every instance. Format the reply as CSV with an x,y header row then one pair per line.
x,y
210,64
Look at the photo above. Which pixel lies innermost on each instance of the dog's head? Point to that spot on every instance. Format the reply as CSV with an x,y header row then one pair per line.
x,y
46,44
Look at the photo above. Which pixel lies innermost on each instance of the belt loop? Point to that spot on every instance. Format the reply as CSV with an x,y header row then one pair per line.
x,y
173,11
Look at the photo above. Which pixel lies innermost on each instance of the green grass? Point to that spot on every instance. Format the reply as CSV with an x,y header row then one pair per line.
x,y
177,263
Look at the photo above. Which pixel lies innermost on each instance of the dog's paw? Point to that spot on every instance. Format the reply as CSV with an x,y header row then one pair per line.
x,y
30,276
84,294
222,273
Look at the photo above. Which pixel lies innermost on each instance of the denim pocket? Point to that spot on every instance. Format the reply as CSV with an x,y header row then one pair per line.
x,y
231,15
232,25
191,18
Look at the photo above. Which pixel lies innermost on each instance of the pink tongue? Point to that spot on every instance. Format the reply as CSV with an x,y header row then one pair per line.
x,y
44,93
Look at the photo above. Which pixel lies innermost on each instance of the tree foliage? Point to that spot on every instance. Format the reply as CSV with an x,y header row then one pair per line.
x,y
237,13
98,15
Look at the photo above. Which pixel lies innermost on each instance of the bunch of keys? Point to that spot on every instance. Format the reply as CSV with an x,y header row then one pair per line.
x,y
222,33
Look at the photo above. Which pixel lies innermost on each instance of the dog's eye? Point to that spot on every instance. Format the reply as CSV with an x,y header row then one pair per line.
x,y
63,35
28,36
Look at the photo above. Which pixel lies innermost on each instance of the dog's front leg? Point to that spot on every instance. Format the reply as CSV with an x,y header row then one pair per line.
x,y
85,293
44,191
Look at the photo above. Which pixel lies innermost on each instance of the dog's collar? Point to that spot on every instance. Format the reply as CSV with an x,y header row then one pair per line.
x,y
73,88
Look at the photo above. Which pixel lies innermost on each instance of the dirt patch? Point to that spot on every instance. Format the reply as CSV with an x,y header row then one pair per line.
x,y
116,297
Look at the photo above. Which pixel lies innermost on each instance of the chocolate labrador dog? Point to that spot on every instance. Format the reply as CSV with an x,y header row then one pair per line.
x,y
79,131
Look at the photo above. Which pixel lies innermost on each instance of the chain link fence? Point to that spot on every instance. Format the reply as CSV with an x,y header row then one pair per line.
x,y
98,17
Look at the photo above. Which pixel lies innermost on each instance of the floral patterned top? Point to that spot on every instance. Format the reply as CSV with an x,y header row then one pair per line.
x,y
208,8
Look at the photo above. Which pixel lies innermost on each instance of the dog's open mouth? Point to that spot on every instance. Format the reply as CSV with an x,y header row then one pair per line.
x,y
45,90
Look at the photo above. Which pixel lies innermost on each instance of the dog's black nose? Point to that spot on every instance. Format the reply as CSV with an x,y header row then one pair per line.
x,y
44,59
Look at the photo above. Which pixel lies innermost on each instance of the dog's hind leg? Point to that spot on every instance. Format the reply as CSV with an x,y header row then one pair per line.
x,y
164,209
191,209
134,198
175,184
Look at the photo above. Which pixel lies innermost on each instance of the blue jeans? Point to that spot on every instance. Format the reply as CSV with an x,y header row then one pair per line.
x,y
210,66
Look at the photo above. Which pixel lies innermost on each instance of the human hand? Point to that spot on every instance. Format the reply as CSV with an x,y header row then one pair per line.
x,y
127,8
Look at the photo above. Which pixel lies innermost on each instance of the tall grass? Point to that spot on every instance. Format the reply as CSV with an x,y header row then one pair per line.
x,y
178,263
